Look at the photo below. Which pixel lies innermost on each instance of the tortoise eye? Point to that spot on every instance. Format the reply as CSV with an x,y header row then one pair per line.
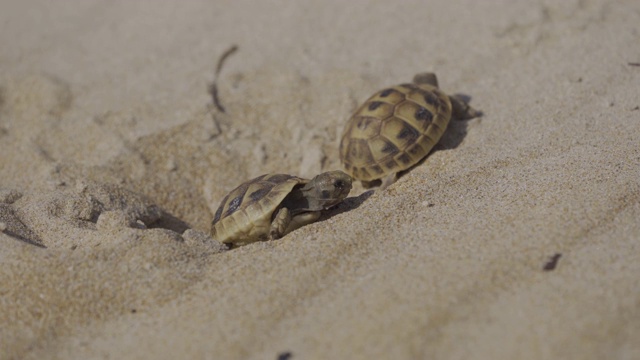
x,y
339,184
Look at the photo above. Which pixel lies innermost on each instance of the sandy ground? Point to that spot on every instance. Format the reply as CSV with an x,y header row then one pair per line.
x,y
113,161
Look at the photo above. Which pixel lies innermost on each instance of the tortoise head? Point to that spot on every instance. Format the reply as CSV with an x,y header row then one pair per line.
x,y
327,189
427,78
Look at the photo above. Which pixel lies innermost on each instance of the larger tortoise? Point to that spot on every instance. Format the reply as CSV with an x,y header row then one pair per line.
x,y
272,205
396,128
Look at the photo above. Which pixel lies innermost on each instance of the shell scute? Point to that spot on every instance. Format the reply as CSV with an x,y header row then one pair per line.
x,y
366,127
376,109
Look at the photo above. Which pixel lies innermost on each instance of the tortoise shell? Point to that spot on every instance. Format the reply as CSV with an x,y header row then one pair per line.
x,y
393,130
245,213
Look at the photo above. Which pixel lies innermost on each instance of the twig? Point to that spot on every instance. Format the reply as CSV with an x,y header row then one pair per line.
x,y
213,87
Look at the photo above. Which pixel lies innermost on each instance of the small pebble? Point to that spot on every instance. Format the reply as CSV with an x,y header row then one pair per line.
x,y
171,165
140,225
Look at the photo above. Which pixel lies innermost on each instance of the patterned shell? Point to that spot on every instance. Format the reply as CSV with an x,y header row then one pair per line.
x,y
245,214
393,130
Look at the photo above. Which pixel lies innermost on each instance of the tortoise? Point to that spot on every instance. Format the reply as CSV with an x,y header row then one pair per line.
x,y
396,128
272,205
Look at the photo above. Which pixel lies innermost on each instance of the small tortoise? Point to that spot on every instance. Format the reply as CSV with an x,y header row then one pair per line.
x,y
396,128
270,206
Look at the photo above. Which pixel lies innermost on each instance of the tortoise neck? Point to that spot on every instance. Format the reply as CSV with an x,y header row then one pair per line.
x,y
298,200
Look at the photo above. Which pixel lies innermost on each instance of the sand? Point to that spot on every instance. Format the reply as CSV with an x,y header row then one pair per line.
x,y
113,160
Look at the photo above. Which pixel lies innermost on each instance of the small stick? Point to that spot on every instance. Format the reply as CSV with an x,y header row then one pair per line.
x,y
213,87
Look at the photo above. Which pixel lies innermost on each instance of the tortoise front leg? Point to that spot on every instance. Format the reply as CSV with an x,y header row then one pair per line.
x,y
279,224
303,219
460,110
